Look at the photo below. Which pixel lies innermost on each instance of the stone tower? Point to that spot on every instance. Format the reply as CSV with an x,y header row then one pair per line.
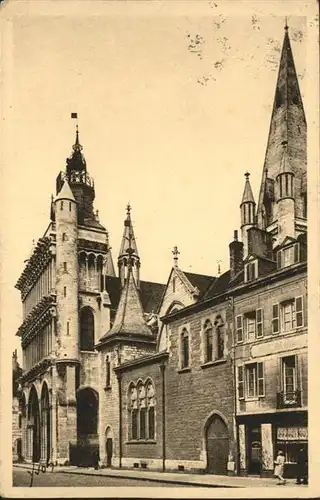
x,y
67,274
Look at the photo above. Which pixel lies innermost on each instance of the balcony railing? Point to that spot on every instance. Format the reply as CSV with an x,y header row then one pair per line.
x,y
289,399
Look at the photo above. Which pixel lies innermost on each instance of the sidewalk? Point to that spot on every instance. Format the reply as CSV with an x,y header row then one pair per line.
x,y
204,480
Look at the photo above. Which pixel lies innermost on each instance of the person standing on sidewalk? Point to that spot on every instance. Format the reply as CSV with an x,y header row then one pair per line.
x,y
279,467
302,461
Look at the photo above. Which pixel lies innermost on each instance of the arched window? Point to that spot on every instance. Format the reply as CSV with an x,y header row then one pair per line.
x,y
142,411
219,331
133,409
108,372
86,329
208,337
87,412
141,406
184,348
150,407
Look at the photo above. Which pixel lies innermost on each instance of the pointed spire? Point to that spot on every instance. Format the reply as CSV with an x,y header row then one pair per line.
x,y
129,318
77,146
76,162
247,193
128,235
288,123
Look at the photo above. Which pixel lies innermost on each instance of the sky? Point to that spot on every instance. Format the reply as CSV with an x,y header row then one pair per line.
x,y
174,105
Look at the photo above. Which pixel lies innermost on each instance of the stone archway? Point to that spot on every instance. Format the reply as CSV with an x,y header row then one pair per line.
x,y
217,444
109,446
87,426
45,425
33,427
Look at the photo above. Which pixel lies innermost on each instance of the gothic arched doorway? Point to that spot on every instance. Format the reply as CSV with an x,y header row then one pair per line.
x,y
33,426
87,425
109,445
23,412
45,424
217,441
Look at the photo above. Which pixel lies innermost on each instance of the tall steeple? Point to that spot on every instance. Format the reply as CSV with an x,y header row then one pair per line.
x,y
128,241
288,125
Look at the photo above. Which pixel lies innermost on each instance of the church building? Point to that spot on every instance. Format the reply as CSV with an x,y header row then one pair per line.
x,y
203,373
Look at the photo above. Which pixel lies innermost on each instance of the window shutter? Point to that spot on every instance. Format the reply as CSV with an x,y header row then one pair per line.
x,y
260,377
259,320
297,377
275,318
299,311
239,326
279,259
241,382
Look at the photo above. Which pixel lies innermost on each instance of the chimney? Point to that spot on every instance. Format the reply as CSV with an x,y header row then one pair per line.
x,y
236,256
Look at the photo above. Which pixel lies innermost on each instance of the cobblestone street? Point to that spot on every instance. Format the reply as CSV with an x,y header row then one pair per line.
x,y
22,478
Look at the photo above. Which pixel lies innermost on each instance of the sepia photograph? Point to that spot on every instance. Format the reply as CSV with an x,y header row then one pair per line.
x,y
160,164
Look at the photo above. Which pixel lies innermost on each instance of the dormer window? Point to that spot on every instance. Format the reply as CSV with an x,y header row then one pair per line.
x,y
251,271
288,256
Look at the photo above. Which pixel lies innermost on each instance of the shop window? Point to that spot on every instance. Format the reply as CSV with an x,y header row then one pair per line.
x,y
290,440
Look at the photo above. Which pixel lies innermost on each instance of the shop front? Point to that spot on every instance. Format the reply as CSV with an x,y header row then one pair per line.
x,y
260,437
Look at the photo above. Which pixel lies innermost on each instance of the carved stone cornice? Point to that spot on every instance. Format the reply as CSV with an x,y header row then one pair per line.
x,y
38,317
97,246
36,370
39,259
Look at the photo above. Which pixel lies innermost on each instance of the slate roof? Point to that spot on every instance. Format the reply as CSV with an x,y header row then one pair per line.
x,y
129,318
150,293
201,281
220,285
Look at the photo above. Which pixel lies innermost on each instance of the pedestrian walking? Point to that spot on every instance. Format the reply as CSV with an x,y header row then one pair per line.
x,y
279,467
